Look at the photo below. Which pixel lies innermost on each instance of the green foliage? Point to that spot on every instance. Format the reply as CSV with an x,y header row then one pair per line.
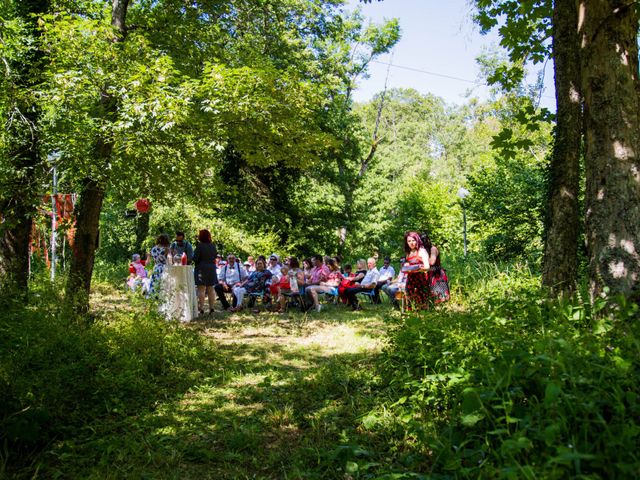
x,y
59,376
506,209
525,32
517,387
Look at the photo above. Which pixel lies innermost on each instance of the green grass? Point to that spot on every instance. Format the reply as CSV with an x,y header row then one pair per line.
x,y
242,396
498,383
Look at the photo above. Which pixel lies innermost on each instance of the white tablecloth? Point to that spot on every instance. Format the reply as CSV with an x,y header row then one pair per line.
x,y
178,294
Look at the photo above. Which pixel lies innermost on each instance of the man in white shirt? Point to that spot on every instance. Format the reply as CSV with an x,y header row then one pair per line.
x,y
387,273
274,267
231,275
367,284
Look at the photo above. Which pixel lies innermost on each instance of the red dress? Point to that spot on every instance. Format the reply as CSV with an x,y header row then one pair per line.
x,y
417,289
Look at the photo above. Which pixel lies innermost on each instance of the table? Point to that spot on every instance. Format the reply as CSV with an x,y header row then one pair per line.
x,y
178,299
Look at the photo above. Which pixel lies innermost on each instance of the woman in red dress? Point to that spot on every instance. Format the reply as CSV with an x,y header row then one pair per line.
x,y
417,268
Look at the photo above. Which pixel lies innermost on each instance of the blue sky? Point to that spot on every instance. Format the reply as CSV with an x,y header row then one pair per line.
x,y
438,36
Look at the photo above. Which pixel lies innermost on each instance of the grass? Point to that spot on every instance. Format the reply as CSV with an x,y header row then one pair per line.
x,y
498,383
267,396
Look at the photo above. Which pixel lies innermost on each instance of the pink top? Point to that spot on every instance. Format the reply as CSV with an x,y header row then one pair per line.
x,y
319,274
140,270
334,278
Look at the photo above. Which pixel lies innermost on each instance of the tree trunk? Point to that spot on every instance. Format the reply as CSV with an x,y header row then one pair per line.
x,y
86,242
142,230
609,55
20,195
562,214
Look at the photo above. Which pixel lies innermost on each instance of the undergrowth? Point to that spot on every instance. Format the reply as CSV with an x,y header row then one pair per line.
x,y
497,383
62,377
505,384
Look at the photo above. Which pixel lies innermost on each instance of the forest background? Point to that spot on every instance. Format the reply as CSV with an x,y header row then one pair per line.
x,y
239,117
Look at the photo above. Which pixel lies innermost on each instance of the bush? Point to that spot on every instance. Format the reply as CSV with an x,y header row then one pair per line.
x,y
517,387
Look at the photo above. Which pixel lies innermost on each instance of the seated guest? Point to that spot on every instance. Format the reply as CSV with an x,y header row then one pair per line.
x,y
138,275
351,278
386,274
231,275
252,264
254,283
319,272
219,263
327,286
280,287
274,266
338,261
180,246
395,286
307,265
367,284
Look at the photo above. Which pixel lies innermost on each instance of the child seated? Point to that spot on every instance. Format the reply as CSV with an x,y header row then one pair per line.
x,y
281,287
138,276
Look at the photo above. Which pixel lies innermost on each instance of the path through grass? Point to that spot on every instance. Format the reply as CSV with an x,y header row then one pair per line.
x,y
283,397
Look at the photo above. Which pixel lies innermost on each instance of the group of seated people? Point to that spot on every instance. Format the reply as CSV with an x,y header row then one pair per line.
x,y
278,282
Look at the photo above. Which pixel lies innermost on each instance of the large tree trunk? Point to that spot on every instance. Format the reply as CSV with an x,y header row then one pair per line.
x,y
92,195
86,242
609,56
562,214
19,196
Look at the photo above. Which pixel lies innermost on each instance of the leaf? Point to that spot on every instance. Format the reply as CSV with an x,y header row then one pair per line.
x,y
471,419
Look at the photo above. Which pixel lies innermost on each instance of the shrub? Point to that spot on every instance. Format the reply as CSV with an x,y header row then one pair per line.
x,y
518,387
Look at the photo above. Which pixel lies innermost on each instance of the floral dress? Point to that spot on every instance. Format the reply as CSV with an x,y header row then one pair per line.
x,y
438,282
159,255
417,290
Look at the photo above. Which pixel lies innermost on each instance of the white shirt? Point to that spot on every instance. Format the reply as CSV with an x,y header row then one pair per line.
x,y
231,273
275,272
386,273
371,277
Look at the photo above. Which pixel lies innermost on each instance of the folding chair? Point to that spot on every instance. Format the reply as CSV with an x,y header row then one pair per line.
x,y
371,294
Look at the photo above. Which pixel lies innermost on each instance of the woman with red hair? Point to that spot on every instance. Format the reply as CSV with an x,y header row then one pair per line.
x,y
416,268
204,259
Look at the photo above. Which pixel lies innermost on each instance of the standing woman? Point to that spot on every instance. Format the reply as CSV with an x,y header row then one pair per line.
x,y
416,268
160,254
204,259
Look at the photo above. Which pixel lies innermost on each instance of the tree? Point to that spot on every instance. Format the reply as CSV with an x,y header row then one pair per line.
x,y
562,221
160,110
525,33
92,190
609,70
20,154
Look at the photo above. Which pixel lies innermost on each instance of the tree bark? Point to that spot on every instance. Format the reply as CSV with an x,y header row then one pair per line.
x,y
142,230
609,55
19,197
560,260
86,242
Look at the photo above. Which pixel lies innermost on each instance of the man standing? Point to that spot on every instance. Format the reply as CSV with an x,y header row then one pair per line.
x,y
180,246
367,284
231,275
386,274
